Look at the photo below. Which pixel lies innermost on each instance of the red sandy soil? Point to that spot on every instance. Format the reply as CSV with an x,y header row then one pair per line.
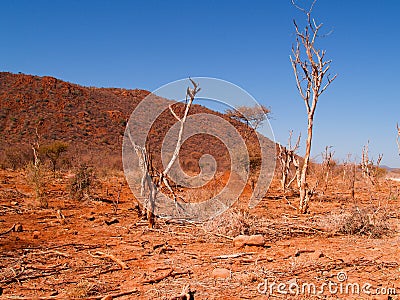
x,y
64,258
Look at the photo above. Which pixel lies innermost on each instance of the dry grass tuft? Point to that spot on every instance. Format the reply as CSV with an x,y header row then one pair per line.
x,y
366,221
233,222
81,183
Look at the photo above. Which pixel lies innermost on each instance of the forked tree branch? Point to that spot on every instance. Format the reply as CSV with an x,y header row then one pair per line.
x,y
190,95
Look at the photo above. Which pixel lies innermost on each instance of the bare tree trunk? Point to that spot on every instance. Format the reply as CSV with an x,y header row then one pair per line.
x,y
304,193
156,179
287,157
310,69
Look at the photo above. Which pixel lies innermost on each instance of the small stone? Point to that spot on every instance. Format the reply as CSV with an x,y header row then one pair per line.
x,y
15,203
18,228
240,240
255,240
221,273
250,240
36,235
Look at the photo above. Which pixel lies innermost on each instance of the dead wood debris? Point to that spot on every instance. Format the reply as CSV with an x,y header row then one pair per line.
x,y
170,273
8,230
235,255
99,254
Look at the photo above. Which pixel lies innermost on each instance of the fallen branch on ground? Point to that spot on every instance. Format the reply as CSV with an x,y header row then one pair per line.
x,y
99,254
9,230
171,273
233,255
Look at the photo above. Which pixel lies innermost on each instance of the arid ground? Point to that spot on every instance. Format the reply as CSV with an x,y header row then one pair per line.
x,y
99,247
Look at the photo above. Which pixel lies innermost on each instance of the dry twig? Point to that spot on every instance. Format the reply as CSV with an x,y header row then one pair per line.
x,y
99,254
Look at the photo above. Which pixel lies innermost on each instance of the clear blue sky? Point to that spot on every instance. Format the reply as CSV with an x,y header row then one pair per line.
x,y
145,44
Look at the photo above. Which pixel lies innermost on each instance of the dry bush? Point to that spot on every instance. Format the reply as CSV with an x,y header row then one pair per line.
x,y
16,157
80,185
233,222
370,221
36,178
366,221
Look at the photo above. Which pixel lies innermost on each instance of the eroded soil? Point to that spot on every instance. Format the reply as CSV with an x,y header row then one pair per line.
x,y
94,248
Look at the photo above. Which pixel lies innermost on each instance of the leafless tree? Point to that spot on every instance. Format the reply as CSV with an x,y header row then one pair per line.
x,y
287,156
312,79
349,172
369,168
152,179
327,164
35,173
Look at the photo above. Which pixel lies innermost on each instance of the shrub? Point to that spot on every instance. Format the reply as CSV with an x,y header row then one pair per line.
x,y
232,222
35,177
365,222
81,183
53,152
17,157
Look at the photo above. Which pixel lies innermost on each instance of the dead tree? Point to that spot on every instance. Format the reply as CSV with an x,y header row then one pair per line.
x,y
153,180
350,172
35,173
327,164
287,156
369,168
312,79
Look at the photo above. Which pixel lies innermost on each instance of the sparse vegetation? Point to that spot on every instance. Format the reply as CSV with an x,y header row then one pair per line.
x,y
364,221
35,175
53,152
81,184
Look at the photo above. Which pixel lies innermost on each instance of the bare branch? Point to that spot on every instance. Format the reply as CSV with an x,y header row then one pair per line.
x,y
190,95
173,113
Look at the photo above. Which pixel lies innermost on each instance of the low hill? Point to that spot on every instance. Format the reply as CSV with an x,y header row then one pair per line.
x,y
91,120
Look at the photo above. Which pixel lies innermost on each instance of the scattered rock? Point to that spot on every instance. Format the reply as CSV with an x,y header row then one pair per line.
x,y
240,240
18,227
36,235
256,240
221,273
14,203
250,240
